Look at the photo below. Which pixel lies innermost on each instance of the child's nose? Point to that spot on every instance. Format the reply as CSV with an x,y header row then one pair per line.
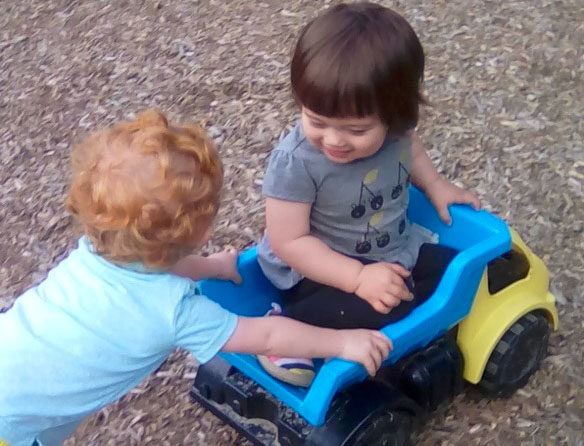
x,y
333,138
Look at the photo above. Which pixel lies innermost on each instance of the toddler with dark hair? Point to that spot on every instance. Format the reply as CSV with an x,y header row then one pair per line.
x,y
338,241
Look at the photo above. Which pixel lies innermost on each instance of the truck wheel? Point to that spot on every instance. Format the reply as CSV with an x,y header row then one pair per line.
x,y
516,356
389,427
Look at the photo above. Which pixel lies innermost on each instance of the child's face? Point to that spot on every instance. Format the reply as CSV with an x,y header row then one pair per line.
x,y
343,140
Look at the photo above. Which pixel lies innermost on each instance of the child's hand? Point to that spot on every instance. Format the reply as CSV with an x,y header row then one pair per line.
x,y
443,193
382,285
367,347
226,262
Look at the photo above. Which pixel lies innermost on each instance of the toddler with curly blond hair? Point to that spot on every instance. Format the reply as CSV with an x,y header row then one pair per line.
x,y
146,193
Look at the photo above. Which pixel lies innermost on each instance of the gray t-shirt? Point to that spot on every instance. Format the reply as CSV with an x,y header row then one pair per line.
x,y
358,208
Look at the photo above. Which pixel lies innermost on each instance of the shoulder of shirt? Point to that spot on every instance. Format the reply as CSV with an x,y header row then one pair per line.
x,y
92,261
294,143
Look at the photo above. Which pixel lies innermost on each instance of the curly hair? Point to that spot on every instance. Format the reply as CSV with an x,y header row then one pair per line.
x,y
145,191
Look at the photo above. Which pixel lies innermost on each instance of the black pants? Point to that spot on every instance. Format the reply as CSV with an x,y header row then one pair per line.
x,y
325,306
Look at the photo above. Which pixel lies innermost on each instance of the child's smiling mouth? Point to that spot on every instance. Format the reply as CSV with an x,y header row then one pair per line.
x,y
337,153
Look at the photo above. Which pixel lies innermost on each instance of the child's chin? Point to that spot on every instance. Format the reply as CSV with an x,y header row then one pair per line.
x,y
338,159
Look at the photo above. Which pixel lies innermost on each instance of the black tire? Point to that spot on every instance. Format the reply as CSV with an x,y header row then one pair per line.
x,y
387,427
516,356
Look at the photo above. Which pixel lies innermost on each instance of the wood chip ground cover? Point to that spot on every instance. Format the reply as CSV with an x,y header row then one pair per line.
x,y
507,120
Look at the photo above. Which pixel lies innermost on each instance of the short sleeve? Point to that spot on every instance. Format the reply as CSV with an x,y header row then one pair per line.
x,y
202,326
287,178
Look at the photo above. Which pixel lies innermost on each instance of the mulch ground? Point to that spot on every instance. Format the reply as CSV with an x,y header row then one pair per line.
x,y
506,119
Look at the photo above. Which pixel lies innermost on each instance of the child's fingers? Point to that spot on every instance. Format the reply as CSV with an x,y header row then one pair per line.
x,y
237,278
381,307
368,363
364,359
397,268
375,356
383,347
377,351
473,200
445,214
400,292
467,197
384,340
390,300
383,304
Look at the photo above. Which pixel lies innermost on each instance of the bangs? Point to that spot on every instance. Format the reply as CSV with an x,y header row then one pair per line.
x,y
327,100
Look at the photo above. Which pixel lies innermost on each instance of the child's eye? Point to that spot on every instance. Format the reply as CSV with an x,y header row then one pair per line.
x,y
358,132
318,125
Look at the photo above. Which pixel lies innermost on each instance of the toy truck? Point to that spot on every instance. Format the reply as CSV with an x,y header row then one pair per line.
x,y
487,323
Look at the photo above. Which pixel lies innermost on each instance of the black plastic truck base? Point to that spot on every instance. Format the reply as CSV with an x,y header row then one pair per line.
x,y
413,387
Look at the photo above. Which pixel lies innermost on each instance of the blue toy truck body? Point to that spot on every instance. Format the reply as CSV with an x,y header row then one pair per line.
x,y
478,236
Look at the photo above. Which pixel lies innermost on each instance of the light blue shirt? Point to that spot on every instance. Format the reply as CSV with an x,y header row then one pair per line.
x,y
89,333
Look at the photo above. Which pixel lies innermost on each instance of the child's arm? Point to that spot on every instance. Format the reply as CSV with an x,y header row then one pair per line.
x,y
222,265
288,230
439,191
281,336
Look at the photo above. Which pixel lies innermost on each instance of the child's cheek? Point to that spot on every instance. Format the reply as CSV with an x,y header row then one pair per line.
x,y
312,138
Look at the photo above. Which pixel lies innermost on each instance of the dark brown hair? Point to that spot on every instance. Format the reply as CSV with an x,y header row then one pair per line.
x,y
360,59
